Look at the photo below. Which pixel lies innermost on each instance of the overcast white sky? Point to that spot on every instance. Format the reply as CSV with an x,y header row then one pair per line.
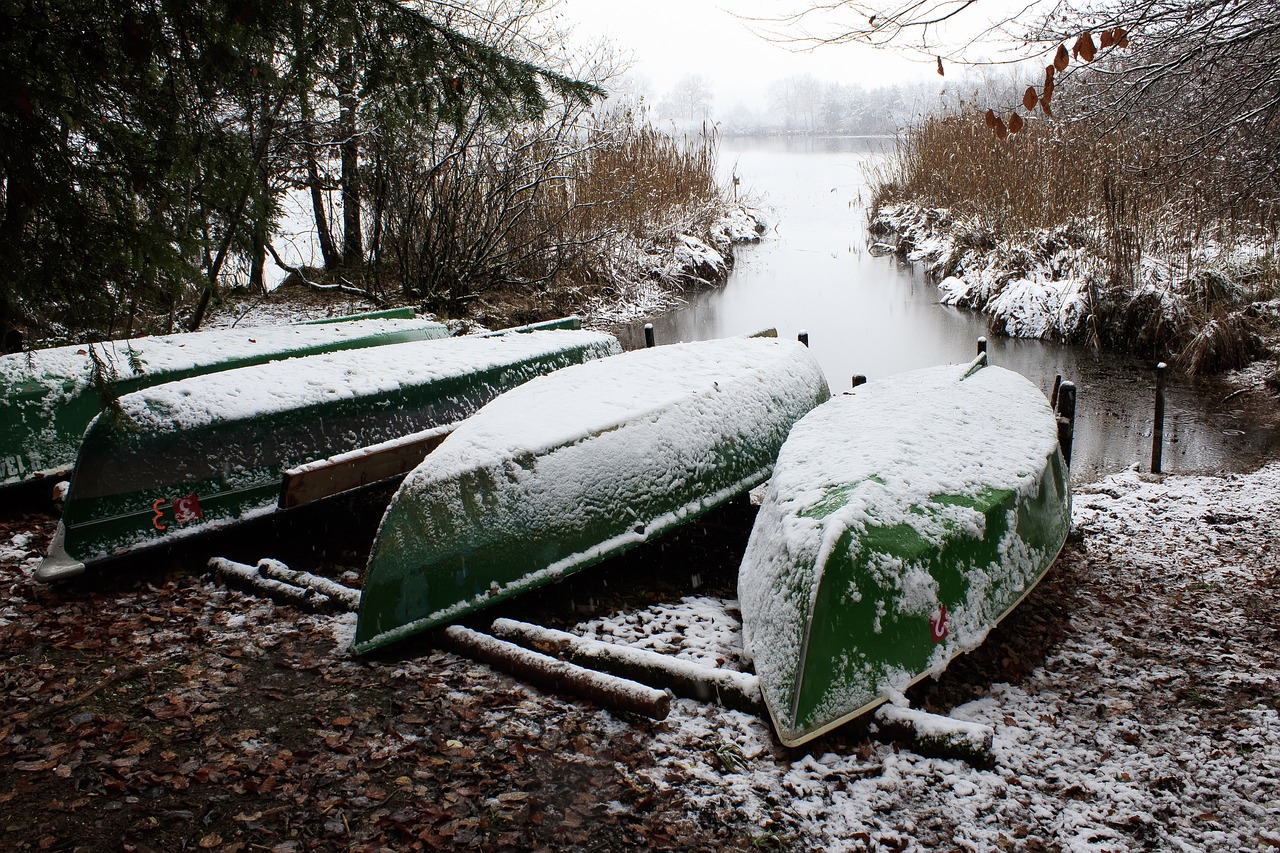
x,y
671,38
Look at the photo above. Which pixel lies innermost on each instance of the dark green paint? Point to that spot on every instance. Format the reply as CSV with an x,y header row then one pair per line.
x,y
39,432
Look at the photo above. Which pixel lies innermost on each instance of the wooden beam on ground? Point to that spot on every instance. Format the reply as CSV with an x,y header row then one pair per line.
x,y
327,477
276,580
343,597
249,576
556,675
737,690
935,736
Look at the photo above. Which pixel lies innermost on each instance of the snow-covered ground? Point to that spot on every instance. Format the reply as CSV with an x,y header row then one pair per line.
x,y
1134,697
651,280
1154,723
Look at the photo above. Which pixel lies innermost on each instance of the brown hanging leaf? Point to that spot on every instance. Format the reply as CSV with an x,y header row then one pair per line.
x,y
1044,105
1049,71
1001,130
1048,89
991,119
1015,123
1029,98
1084,47
1120,37
1060,59
1104,40
940,74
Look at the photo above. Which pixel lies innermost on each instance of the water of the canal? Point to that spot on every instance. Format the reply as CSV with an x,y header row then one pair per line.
x,y
877,316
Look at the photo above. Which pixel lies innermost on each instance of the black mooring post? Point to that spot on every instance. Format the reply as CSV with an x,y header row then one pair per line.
x,y
1053,397
648,335
1066,408
982,345
859,379
803,337
1157,432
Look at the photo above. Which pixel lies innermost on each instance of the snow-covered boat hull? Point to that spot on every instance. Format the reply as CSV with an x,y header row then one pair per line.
x,y
212,450
48,397
903,521
576,467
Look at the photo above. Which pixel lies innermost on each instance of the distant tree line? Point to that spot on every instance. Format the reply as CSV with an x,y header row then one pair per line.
x,y
799,104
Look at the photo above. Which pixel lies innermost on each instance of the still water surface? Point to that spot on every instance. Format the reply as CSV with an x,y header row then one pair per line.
x,y
879,315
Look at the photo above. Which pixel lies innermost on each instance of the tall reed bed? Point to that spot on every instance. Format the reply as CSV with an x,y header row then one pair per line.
x,y
1165,224
640,180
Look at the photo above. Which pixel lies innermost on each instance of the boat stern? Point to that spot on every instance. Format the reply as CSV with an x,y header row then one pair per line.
x,y
58,565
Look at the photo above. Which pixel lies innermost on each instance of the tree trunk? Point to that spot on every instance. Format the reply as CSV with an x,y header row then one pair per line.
x,y
233,222
328,250
349,146
261,229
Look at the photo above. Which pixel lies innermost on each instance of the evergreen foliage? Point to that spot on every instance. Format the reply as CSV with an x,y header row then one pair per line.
x,y
142,141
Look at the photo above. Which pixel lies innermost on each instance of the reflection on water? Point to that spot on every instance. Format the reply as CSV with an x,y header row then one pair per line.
x,y
878,316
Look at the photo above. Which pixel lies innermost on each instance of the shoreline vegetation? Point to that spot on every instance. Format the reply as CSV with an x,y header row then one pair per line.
x,y
1108,239
452,159
646,214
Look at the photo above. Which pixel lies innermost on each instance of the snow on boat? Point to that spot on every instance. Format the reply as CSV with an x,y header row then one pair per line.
x,y
578,466
211,450
902,522
48,397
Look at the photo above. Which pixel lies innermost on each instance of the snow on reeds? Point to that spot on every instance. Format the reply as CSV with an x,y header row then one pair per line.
x,y
1109,237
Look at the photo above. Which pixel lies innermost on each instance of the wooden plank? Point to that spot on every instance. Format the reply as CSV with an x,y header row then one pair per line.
x,y
325,478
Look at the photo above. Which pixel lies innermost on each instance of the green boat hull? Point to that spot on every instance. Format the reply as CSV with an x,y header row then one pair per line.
x,y
576,467
48,398
866,572
166,473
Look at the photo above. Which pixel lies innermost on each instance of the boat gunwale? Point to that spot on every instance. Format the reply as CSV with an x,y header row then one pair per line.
x,y
571,564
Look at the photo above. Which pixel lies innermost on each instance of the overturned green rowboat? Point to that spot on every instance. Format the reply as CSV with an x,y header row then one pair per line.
x,y
578,466
48,397
205,452
903,521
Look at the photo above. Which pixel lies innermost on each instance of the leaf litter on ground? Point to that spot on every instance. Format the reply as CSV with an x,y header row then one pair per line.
x,y
1134,700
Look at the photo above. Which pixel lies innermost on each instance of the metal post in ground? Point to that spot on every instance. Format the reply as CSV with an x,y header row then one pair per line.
x,y
1066,409
648,335
803,337
859,379
1157,431
982,345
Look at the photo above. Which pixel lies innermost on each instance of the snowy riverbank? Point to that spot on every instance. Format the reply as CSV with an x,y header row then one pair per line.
x,y
1132,698
645,278
1050,283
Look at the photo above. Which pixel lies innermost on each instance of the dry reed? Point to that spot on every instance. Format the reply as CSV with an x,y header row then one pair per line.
x,y
548,209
